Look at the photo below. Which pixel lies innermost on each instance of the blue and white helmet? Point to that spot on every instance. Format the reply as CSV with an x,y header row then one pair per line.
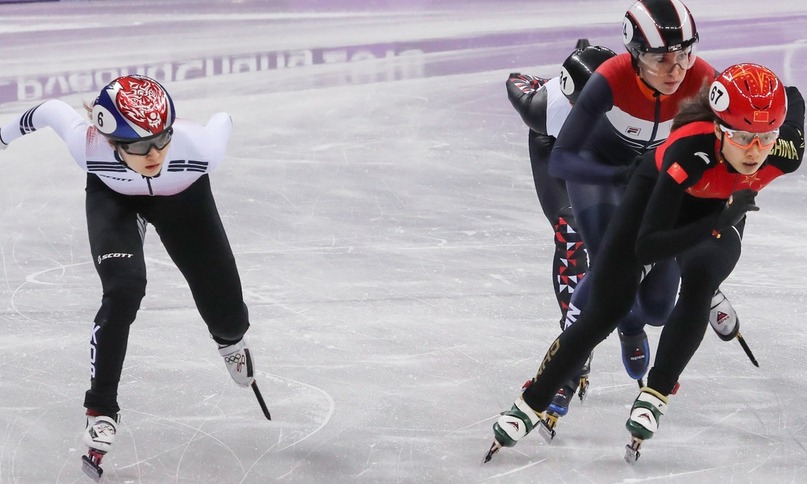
x,y
132,108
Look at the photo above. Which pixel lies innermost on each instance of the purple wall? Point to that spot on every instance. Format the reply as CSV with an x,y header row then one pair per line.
x,y
405,60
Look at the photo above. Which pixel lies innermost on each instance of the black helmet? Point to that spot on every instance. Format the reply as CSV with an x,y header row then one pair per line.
x,y
579,66
658,26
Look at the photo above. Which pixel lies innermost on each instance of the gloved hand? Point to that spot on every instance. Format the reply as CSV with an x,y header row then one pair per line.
x,y
534,82
735,208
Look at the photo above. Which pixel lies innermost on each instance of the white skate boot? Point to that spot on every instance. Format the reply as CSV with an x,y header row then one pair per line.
x,y
642,424
238,360
513,425
100,433
723,317
99,436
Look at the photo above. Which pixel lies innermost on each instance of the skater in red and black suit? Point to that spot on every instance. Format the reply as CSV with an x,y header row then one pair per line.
x,y
627,108
686,202
144,166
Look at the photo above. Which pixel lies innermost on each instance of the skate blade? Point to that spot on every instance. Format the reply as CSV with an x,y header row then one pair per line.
x,y
90,468
261,401
632,450
495,447
546,427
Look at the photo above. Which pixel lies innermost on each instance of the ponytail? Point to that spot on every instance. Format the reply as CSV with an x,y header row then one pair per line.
x,y
694,109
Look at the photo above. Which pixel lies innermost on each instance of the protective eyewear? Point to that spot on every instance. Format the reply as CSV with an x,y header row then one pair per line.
x,y
664,63
744,139
143,146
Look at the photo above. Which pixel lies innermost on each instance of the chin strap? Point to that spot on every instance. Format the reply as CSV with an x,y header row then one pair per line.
x,y
119,158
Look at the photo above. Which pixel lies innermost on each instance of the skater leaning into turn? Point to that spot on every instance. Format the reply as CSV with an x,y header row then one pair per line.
x,y
627,108
543,105
686,202
145,166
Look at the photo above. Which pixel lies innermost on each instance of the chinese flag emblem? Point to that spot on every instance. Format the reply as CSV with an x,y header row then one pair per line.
x,y
761,116
677,173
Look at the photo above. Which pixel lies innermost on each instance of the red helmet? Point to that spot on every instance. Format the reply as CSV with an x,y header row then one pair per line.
x,y
749,97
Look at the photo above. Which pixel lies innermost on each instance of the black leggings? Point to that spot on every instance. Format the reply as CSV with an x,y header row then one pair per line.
x,y
570,259
191,231
614,281
595,206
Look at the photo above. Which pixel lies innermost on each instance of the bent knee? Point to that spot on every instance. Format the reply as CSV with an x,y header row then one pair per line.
x,y
121,300
656,311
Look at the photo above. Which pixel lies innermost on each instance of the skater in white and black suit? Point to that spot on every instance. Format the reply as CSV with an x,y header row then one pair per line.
x,y
145,166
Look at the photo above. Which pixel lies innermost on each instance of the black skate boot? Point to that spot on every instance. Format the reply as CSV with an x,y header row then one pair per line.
x,y
582,384
560,404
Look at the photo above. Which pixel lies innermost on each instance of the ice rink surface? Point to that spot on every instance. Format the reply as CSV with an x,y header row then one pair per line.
x,y
378,197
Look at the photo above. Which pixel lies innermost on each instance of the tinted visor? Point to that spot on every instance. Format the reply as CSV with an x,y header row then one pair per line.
x,y
143,146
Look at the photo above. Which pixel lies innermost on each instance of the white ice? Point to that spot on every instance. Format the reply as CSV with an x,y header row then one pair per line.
x,y
393,254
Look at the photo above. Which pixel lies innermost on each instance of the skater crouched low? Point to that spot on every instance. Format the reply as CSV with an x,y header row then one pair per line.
x,y
145,166
686,202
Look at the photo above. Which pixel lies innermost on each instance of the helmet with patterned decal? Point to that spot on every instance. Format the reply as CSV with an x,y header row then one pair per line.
x,y
749,97
132,108
658,27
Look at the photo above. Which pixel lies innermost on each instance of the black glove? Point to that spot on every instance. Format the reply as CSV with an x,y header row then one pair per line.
x,y
735,208
532,81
